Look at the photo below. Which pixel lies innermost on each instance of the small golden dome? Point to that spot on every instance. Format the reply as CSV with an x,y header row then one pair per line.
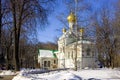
x,y
71,18
82,30
64,30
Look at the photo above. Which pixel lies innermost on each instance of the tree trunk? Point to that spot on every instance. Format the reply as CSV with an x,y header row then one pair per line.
x,y
17,67
76,55
16,40
0,26
7,58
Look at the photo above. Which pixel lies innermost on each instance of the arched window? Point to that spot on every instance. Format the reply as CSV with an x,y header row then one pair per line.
x,y
72,55
48,63
68,55
88,51
45,63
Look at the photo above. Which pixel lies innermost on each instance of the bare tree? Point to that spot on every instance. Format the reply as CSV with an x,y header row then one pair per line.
x,y
107,41
4,24
24,15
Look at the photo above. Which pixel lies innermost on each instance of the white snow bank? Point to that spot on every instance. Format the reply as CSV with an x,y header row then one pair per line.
x,y
65,76
98,74
7,72
25,72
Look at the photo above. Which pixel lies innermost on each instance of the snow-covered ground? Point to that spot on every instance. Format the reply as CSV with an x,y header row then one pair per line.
x,y
84,74
7,72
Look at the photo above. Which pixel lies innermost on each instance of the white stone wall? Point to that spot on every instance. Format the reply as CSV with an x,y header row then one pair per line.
x,y
67,53
88,62
61,60
69,63
52,64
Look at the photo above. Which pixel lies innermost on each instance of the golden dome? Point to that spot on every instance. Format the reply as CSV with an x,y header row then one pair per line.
x,y
71,18
64,30
82,30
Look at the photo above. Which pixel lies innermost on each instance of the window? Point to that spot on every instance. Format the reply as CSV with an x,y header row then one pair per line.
x,y
63,49
48,63
72,55
93,53
82,55
54,61
45,63
68,54
88,51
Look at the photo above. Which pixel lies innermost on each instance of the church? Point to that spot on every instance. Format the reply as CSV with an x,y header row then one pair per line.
x,y
74,50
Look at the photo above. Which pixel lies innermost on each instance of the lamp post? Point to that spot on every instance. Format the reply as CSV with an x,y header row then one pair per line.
x,y
64,30
81,33
76,36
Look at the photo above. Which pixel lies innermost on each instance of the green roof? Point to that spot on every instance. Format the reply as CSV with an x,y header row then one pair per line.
x,y
53,52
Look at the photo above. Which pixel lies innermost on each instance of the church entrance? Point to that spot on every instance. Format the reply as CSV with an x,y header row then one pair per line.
x,y
46,64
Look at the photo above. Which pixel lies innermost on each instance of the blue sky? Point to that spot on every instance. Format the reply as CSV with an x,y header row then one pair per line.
x,y
50,33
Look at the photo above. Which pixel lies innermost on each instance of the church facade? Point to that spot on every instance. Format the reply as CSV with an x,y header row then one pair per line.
x,y
73,49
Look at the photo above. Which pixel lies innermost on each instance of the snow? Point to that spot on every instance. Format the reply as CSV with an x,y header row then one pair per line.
x,y
46,53
84,74
7,72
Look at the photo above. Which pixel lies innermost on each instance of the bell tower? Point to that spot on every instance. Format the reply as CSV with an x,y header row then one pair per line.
x,y
71,20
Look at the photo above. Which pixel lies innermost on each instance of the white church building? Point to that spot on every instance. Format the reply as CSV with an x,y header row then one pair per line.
x,y
74,48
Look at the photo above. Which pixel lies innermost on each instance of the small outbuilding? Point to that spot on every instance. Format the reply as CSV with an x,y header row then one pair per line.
x,y
47,59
